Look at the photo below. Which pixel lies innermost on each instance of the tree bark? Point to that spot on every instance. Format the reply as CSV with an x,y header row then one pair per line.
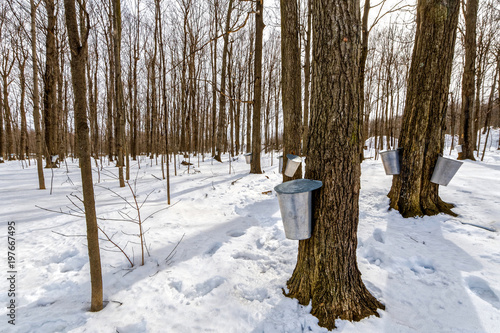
x,y
36,99
466,121
120,109
326,270
50,84
292,81
422,133
307,78
78,59
257,100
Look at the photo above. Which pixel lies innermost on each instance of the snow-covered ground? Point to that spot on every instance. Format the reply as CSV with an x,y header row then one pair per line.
x,y
434,274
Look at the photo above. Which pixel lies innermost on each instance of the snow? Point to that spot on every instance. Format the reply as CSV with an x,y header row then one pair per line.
x,y
434,274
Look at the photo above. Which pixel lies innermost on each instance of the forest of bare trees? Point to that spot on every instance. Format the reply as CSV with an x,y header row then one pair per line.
x,y
183,73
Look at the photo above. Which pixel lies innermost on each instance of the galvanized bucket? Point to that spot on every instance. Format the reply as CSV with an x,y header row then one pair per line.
x,y
248,158
458,148
292,164
444,170
280,159
391,159
295,200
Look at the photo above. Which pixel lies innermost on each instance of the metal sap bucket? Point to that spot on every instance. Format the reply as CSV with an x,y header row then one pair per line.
x,y
458,148
295,200
248,158
292,164
280,160
391,159
444,170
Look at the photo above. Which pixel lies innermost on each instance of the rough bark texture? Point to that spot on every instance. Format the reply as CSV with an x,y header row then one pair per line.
x,y
466,121
291,83
221,127
422,133
120,108
307,78
257,100
362,66
83,143
50,84
326,270
36,99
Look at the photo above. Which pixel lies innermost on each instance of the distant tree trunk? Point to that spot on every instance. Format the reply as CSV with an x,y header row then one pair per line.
x,y
292,81
50,84
78,59
257,100
221,127
422,133
24,130
249,91
466,121
214,91
109,113
135,107
1,130
5,73
36,99
164,99
327,271
489,109
120,109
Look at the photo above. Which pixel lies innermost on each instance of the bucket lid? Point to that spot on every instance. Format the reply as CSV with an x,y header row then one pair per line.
x,y
294,158
392,150
247,154
298,186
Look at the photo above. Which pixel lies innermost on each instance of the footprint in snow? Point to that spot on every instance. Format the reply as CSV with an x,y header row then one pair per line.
x,y
379,236
235,233
421,266
206,287
482,289
214,248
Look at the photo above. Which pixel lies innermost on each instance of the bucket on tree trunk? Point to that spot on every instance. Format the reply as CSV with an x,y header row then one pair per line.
x,y
295,200
444,170
280,160
54,158
248,158
292,164
391,159
458,148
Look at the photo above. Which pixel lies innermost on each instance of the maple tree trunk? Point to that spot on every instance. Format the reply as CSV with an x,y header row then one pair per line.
x,y
327,271
466,121
422,132
291,84
257,100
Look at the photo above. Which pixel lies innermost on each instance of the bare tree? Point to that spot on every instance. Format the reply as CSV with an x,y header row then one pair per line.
x,y
257,100
326,270
422,133
120,109
466,120
291,80
78,60
36,98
